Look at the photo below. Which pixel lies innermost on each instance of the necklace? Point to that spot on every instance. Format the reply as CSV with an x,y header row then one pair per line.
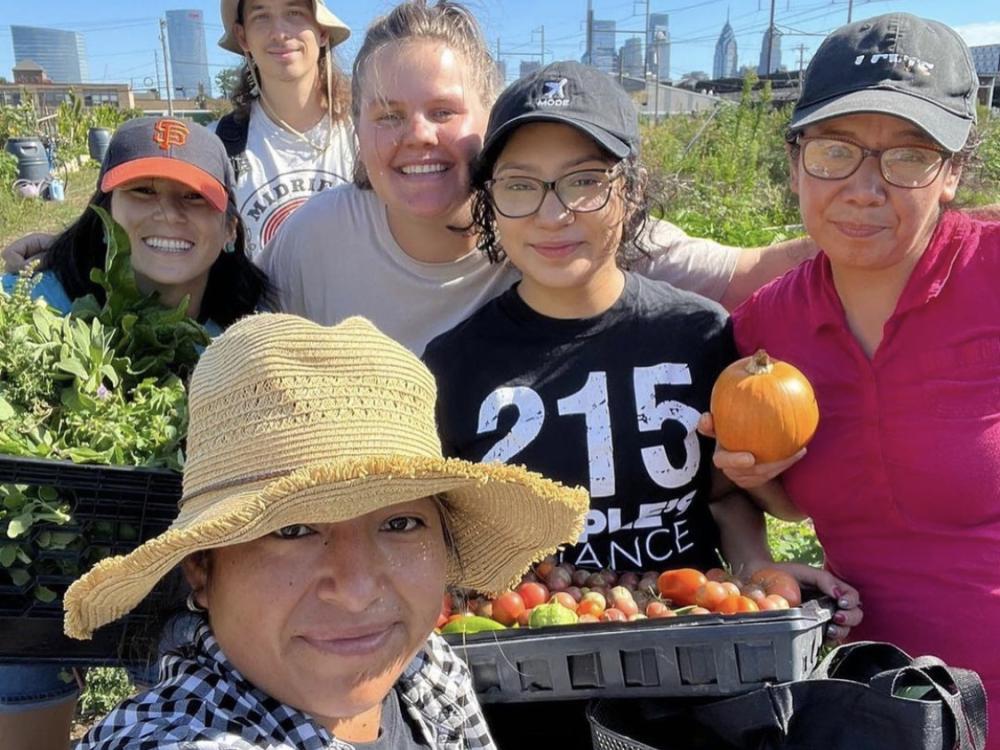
x,y
318,148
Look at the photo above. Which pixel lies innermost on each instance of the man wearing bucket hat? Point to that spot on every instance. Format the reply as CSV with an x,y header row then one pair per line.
x,y
290,135
318,528
896,324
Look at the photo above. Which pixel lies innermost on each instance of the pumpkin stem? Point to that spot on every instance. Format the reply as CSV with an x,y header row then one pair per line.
x,y
759,363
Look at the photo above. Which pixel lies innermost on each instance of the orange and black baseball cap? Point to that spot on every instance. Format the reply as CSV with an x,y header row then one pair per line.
x,y
173,149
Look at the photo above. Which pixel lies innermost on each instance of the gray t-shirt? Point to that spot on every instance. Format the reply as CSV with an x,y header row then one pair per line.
x,y
396,731
336,257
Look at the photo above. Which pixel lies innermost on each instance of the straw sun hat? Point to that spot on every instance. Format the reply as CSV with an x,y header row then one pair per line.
x,y
293,422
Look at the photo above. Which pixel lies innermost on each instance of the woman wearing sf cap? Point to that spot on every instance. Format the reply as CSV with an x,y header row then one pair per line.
x,y
168,183
318,528
896,324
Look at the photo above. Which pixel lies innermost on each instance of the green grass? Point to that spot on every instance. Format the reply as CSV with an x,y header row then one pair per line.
x,y
20,216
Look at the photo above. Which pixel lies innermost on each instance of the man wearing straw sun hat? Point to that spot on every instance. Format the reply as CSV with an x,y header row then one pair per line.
x,y
318,528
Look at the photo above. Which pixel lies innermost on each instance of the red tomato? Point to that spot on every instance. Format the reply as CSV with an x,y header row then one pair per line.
x,y
717,574
507,608
779,582
736,603
755,592
656,610
730,588
523,618
613,615
533,594
775,601
589,607
710,595
545,567
680,586
565,599
588,618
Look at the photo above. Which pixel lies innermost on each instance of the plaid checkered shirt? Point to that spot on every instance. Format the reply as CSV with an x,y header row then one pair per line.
x,y
203,703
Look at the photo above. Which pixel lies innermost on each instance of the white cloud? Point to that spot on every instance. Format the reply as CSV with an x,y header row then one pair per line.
x,y
976,34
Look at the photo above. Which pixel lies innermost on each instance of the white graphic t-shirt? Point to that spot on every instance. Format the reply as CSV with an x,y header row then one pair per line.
x,y
278,172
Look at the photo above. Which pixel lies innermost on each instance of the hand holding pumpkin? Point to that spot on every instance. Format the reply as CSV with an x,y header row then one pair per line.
x,y
741,467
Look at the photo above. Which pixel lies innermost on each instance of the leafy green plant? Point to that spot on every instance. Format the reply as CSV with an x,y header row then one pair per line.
x,y
793,542
101,385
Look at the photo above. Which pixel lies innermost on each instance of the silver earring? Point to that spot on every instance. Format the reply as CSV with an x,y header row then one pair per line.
x,y
254,83
193,605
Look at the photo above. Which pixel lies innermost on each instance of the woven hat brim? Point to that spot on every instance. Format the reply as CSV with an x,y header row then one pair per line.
x,y
502,519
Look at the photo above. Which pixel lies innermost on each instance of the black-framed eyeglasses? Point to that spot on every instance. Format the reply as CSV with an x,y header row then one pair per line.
x,y
903,166
582,191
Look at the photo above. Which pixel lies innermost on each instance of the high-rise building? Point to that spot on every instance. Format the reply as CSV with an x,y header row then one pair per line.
x,y
528,67
502,71
725,64
188,54
987,59
772,39
61,54
603,50
658,46
631,55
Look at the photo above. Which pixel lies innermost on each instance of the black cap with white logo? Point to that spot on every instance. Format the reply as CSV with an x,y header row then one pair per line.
x,y
570,93
894,64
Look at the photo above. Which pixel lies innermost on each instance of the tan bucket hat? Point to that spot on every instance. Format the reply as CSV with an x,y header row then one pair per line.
x,y
337,29
293,422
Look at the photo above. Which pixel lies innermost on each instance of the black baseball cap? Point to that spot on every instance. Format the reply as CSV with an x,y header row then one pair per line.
x,y
571,93
894,64
170,148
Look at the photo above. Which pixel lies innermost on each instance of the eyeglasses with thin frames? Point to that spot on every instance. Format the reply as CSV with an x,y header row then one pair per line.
x,y
582,191
909,167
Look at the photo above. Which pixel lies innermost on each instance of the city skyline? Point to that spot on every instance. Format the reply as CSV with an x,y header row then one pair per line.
x,y
61,53
123,39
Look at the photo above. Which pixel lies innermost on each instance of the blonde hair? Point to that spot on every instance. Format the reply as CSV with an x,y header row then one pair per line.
x,y
451,24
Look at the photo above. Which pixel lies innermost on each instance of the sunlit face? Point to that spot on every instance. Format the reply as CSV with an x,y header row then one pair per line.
x,y
283,38
176,235
558,250
421,122
325,618
861,221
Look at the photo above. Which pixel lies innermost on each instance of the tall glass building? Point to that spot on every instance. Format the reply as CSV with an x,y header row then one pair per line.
x,y
772,38
603,50
188,54
61,54
725,65
658,45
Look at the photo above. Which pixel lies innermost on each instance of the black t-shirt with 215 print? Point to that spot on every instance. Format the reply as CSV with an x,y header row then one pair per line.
x,y
609,403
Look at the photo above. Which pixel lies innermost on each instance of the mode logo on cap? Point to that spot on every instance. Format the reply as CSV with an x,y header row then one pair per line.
x,y
911,64
554,94
168,133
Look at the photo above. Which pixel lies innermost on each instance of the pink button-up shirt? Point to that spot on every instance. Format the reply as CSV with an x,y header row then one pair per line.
x,y
902,478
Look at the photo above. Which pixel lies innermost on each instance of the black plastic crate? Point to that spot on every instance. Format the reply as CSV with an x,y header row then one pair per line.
x,y
692,655
114,509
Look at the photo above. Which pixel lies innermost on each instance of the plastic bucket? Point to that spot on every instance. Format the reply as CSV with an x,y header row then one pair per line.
x,y
97,143
32,161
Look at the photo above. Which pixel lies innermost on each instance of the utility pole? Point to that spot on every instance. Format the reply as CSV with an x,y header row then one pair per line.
x,y
850,8
645,47
770,41
166,67
156,67
590,34
542,45
801,48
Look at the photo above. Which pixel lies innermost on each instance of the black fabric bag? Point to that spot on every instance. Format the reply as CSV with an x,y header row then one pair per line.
x,y
862,696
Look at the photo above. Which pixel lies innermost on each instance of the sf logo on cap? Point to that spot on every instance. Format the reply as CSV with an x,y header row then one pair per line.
x,y
167,133
553,94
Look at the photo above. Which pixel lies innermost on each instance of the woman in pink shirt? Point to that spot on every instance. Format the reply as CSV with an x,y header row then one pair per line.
x,y
896,323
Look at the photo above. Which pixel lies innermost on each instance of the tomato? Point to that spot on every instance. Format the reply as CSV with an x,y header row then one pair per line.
x,y
730,588
445,611
779,582
656,610
565,599
485,609
624,603
775,601
736,603
591,607
698,611
680,585
524,618
558,579
533,594
717,574
629,580
754,591
507,608
613,615
545,567
588,618
710,594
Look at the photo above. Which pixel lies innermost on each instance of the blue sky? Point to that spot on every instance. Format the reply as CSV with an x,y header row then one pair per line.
x,y
122,34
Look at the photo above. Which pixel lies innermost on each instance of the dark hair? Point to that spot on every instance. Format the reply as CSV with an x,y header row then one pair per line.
x,y
243,96
641,194
236,287
448,23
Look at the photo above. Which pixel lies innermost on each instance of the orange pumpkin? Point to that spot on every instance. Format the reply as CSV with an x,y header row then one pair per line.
x,y
763,406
